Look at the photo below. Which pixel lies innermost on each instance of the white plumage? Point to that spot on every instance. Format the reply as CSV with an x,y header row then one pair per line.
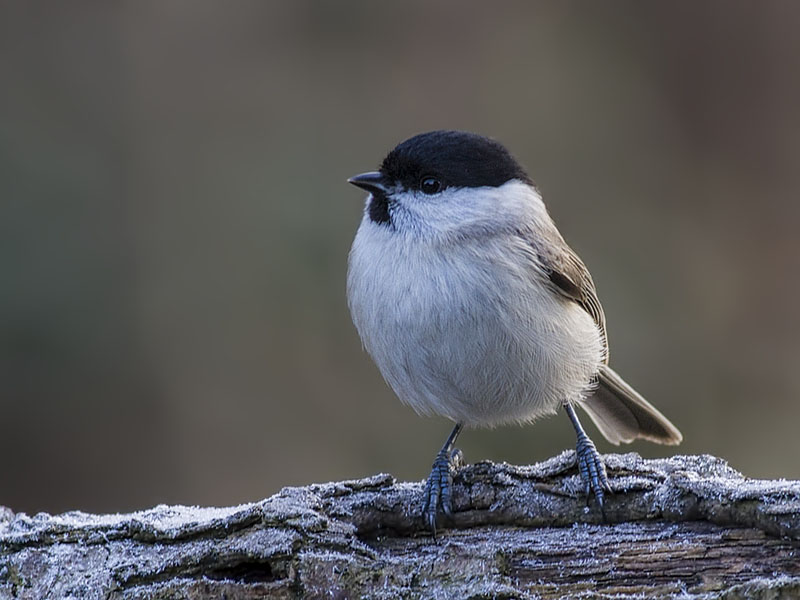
x,y
453,304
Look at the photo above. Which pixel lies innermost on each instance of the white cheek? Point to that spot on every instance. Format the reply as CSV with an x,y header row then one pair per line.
x,y
459,210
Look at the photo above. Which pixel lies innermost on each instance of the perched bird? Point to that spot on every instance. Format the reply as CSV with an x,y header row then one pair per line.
x,y
474,308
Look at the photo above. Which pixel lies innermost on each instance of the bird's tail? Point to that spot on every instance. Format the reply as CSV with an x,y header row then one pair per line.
x,y
622,415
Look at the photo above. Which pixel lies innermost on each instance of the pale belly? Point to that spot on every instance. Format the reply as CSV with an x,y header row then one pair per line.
x,y
480,343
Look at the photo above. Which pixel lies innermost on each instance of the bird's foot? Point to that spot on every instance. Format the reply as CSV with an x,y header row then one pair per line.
x,y
439,488
592,471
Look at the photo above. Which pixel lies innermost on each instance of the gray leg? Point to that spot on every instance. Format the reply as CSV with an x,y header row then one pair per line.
x,y
439,488
590,464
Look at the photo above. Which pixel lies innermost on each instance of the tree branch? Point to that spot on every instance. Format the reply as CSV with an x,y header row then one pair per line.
x,y
688,526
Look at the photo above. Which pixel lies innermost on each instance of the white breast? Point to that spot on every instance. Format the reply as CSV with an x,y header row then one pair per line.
x,y
468,330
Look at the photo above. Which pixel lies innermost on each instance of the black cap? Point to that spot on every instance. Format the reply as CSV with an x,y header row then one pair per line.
x,y
455,158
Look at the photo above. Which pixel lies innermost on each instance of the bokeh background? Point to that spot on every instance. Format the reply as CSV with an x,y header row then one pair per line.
x,y
175,222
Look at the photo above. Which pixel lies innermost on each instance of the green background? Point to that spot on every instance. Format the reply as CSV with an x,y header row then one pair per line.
x,y
175,222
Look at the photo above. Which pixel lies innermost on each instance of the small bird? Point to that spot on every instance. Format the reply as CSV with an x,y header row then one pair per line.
x,y
474,308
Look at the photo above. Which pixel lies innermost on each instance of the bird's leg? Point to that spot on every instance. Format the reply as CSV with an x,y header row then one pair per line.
x,y
590,464
439,488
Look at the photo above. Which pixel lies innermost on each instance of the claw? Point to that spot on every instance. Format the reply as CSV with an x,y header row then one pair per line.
x,y
439,487
592,471
590,464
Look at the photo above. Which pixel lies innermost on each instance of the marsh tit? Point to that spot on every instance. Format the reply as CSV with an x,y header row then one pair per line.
x,y
474,308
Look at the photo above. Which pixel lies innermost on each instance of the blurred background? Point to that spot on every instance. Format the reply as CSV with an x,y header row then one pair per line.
x,y
175,223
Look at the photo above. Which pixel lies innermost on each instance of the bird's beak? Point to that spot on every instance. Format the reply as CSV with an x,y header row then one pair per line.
x,y
372,182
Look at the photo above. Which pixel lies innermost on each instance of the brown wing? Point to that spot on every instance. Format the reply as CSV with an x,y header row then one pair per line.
x,y
570,278
619,412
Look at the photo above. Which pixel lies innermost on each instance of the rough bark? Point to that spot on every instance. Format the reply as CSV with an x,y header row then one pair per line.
x,y
688,527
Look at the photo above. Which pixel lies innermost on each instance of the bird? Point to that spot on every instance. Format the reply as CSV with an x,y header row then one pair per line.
x,y
474,308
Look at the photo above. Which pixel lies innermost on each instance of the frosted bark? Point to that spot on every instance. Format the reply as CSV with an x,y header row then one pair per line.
x,y
688,527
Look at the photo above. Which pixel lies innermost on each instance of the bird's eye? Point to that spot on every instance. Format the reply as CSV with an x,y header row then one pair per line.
x,y
430,185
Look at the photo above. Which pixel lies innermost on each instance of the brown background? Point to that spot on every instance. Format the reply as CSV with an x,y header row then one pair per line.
x,y
174,227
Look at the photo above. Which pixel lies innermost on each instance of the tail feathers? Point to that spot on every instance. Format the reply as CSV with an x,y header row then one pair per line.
x,y
622,415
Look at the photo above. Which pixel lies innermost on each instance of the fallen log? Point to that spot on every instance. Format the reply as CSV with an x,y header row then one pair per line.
x,y
687,526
